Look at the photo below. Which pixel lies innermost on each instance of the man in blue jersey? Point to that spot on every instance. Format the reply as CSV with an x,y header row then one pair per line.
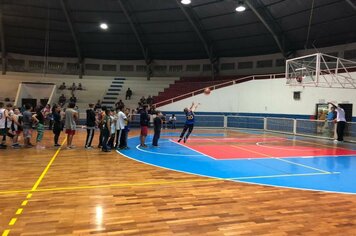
x,y
189,122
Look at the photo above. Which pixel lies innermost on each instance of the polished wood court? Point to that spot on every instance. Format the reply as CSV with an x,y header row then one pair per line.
x,y
88,192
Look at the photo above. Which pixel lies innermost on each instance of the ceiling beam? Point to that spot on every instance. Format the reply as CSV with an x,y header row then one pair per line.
x,y
74,36
135,29
199,30
265,16
2,38
351,4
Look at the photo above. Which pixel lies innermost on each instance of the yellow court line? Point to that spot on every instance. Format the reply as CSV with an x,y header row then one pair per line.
x,y
34,187
47,167
13,221
19,211
110,186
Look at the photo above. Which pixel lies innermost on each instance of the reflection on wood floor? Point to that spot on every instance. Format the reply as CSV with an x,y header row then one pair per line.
x,y
90,192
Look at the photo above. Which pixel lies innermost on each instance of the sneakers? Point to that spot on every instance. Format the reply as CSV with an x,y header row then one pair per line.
x,y
57,145
89,147
180,139
185,139
143,146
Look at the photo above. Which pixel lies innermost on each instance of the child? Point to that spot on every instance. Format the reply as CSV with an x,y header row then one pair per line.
x,y
16,127
157,125
27,125
39,119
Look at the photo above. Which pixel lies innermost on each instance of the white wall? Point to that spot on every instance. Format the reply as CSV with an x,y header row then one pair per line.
x,y
266,96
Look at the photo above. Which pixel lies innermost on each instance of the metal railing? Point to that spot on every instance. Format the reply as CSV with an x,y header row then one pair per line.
x,y
220,85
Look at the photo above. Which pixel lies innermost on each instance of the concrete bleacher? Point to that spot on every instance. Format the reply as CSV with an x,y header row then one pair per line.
x,y
189,84
140,86
94,87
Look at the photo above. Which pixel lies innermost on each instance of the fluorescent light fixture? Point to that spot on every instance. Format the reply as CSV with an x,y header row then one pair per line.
x,y
302,68
104,26
186,2
240,7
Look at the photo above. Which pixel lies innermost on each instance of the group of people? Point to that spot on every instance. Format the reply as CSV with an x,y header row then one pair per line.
x,y
328,119
73,87
14,121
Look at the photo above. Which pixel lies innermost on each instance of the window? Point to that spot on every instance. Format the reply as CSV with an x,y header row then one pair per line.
x,y
246,65
16,64
36,65
127,68
55,66
227,66
107,67
207,67
280,62
141,68
296,95
160,68
176,68
350,54
193,68
264,63
73,66
92,66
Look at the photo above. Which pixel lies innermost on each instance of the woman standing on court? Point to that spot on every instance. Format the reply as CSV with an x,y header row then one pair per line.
x,y
189,122
39,119
57,126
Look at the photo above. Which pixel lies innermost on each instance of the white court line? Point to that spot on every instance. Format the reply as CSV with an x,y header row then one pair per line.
x,y
287,149
279,176
166,154
262,158
295,163
193,150
227,179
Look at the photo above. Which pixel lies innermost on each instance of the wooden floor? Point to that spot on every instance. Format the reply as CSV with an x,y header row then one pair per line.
x,y
86,192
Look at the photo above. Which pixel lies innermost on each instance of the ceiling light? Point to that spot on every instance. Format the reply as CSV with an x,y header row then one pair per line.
x,y
104,26
240,7
186,2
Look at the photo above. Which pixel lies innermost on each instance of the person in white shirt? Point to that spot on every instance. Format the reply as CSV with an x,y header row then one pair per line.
x,y
120,128
3,117
341,122
172,121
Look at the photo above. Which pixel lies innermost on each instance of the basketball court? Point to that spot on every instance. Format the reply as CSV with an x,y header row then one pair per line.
x,y
273,179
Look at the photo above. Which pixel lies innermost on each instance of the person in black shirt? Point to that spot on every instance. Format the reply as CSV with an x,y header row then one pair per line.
x,y
57,126
90,123
157,125
128,94
144,122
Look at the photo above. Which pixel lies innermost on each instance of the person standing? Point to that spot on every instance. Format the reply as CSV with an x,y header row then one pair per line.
x,y
157,126
90,123
172,121
331,116
39,120
120,129
128,94
27,125
57,126
71,116
189,122
16,127
3,131
144,122
340,122
106,131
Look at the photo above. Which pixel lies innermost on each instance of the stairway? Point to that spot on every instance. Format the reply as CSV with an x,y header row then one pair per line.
x,y
113,92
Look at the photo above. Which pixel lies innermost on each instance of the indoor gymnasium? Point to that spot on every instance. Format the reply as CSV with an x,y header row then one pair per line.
x,y
178,117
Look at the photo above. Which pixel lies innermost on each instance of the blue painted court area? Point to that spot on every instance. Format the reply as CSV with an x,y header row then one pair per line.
x,y
325,173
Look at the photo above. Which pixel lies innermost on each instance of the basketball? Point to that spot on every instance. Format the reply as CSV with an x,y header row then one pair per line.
x,y
207,91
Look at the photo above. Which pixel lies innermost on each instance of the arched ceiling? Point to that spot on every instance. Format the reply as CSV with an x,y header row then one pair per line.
x,y
165,29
